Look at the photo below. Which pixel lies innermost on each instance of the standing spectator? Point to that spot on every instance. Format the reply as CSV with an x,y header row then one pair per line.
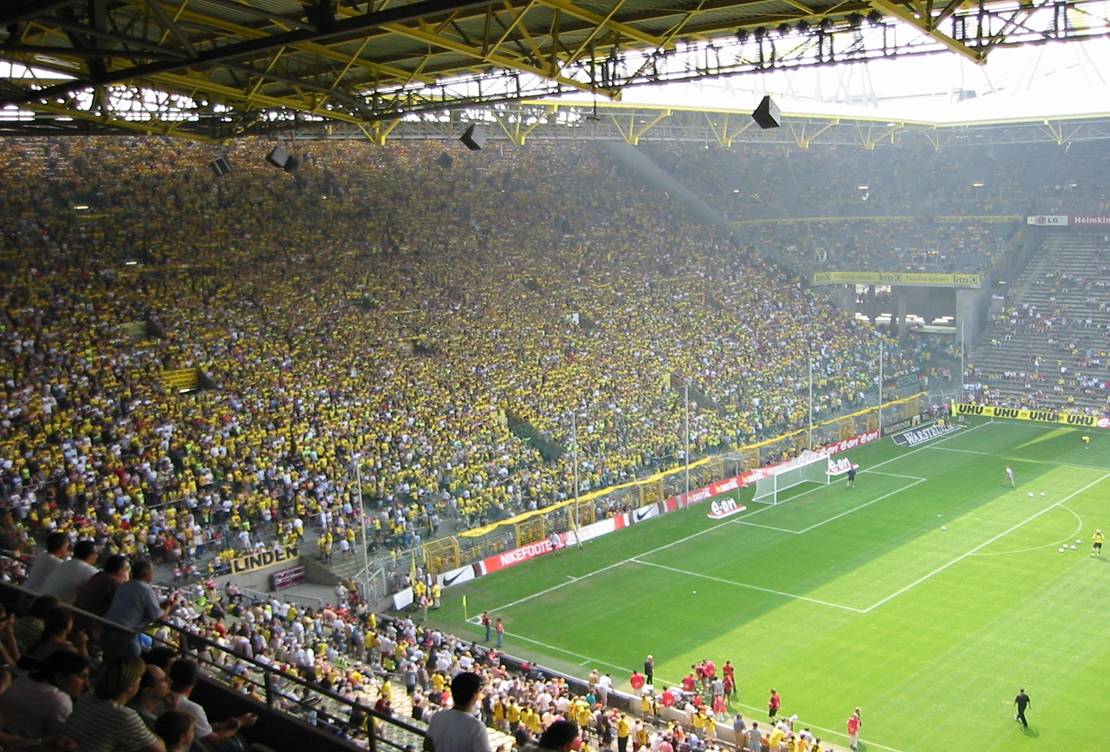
x,y
68,577
773,704
500,629
649,670
755,737
1022,702
134,607
488,624
57,549
101,720
95,596
456,729
854,723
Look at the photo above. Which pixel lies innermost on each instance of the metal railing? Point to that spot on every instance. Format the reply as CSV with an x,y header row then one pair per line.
x,y
278,690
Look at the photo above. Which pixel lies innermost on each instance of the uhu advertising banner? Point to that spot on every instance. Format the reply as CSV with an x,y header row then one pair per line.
x,y
1036,416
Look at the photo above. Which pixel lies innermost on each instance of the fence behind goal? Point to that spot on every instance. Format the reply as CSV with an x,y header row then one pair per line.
x,y
454,551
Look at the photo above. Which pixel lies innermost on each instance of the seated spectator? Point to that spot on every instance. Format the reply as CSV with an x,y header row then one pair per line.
x,y
183,678
38,704
29,627
95,596
57,634
153,697
101,720
68,577
57,550
559,737
177,730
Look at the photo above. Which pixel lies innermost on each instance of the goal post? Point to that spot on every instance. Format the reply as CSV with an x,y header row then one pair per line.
x,y
808,467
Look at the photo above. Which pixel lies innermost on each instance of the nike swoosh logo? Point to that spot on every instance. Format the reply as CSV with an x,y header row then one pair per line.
x,y
448,581
641,517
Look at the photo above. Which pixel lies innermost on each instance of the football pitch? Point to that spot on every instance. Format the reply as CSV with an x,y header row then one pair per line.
x,y
927,595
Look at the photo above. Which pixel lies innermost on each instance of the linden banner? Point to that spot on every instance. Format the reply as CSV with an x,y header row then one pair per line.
x,y
252,561
1037,416
912,279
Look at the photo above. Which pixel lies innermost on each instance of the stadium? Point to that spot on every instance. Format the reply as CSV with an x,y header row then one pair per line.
x,y
551,375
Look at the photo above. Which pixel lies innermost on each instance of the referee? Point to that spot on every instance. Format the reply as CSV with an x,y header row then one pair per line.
x,y
1022,701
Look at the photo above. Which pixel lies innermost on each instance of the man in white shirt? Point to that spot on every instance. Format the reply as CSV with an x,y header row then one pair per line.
x,y
57,550
68,577
458,729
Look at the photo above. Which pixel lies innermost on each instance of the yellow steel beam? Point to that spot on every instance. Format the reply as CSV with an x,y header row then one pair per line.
x,y
585,45
503,61
921,21
246,32
152,127
660,116
625,30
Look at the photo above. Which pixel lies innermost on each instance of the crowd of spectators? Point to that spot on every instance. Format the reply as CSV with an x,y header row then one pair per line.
x,y
334,321
144,673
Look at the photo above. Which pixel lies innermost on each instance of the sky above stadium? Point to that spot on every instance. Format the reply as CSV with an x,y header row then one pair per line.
x,y
1058,79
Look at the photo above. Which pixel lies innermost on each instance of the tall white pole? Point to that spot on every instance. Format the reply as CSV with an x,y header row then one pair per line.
x,y
574,452
963,347
686,405
362,518
880,383
810,444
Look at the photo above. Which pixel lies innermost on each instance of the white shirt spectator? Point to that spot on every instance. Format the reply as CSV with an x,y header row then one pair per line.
x,y
67,578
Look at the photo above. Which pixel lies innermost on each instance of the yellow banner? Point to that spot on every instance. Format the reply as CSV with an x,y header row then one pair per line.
x,y
251,562
916,279
1037,416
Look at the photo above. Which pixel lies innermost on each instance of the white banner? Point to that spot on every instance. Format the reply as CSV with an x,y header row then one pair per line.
x,y
1048,220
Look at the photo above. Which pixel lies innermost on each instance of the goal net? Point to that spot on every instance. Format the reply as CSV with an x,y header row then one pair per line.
x,y
808,467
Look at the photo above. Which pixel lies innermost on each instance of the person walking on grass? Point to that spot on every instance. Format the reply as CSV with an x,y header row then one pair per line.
x,y
1096,543
1022,702
854,723
774,702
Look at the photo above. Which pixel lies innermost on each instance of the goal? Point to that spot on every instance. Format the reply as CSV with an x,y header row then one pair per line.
x,y
807,467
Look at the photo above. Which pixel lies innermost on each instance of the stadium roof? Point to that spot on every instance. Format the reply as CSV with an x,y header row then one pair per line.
x,y
216,69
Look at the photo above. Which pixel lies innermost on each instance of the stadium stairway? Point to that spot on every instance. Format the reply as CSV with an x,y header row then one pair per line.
x,y
1080,256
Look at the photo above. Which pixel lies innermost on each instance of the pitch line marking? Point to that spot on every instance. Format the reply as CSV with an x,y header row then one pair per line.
x,y
1020,459
723,581
893,475
709,529
983,545
1066,539
861,506
834,517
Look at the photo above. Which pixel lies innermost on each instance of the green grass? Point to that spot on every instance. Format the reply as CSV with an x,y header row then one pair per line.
x,y
843,597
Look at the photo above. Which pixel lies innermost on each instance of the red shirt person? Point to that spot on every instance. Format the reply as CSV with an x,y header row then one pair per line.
x,y
637,681
773,704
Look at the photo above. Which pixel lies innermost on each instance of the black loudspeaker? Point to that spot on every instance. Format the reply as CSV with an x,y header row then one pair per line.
x,y
278,156
445,161
221,166
474,138
767,114
291,164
